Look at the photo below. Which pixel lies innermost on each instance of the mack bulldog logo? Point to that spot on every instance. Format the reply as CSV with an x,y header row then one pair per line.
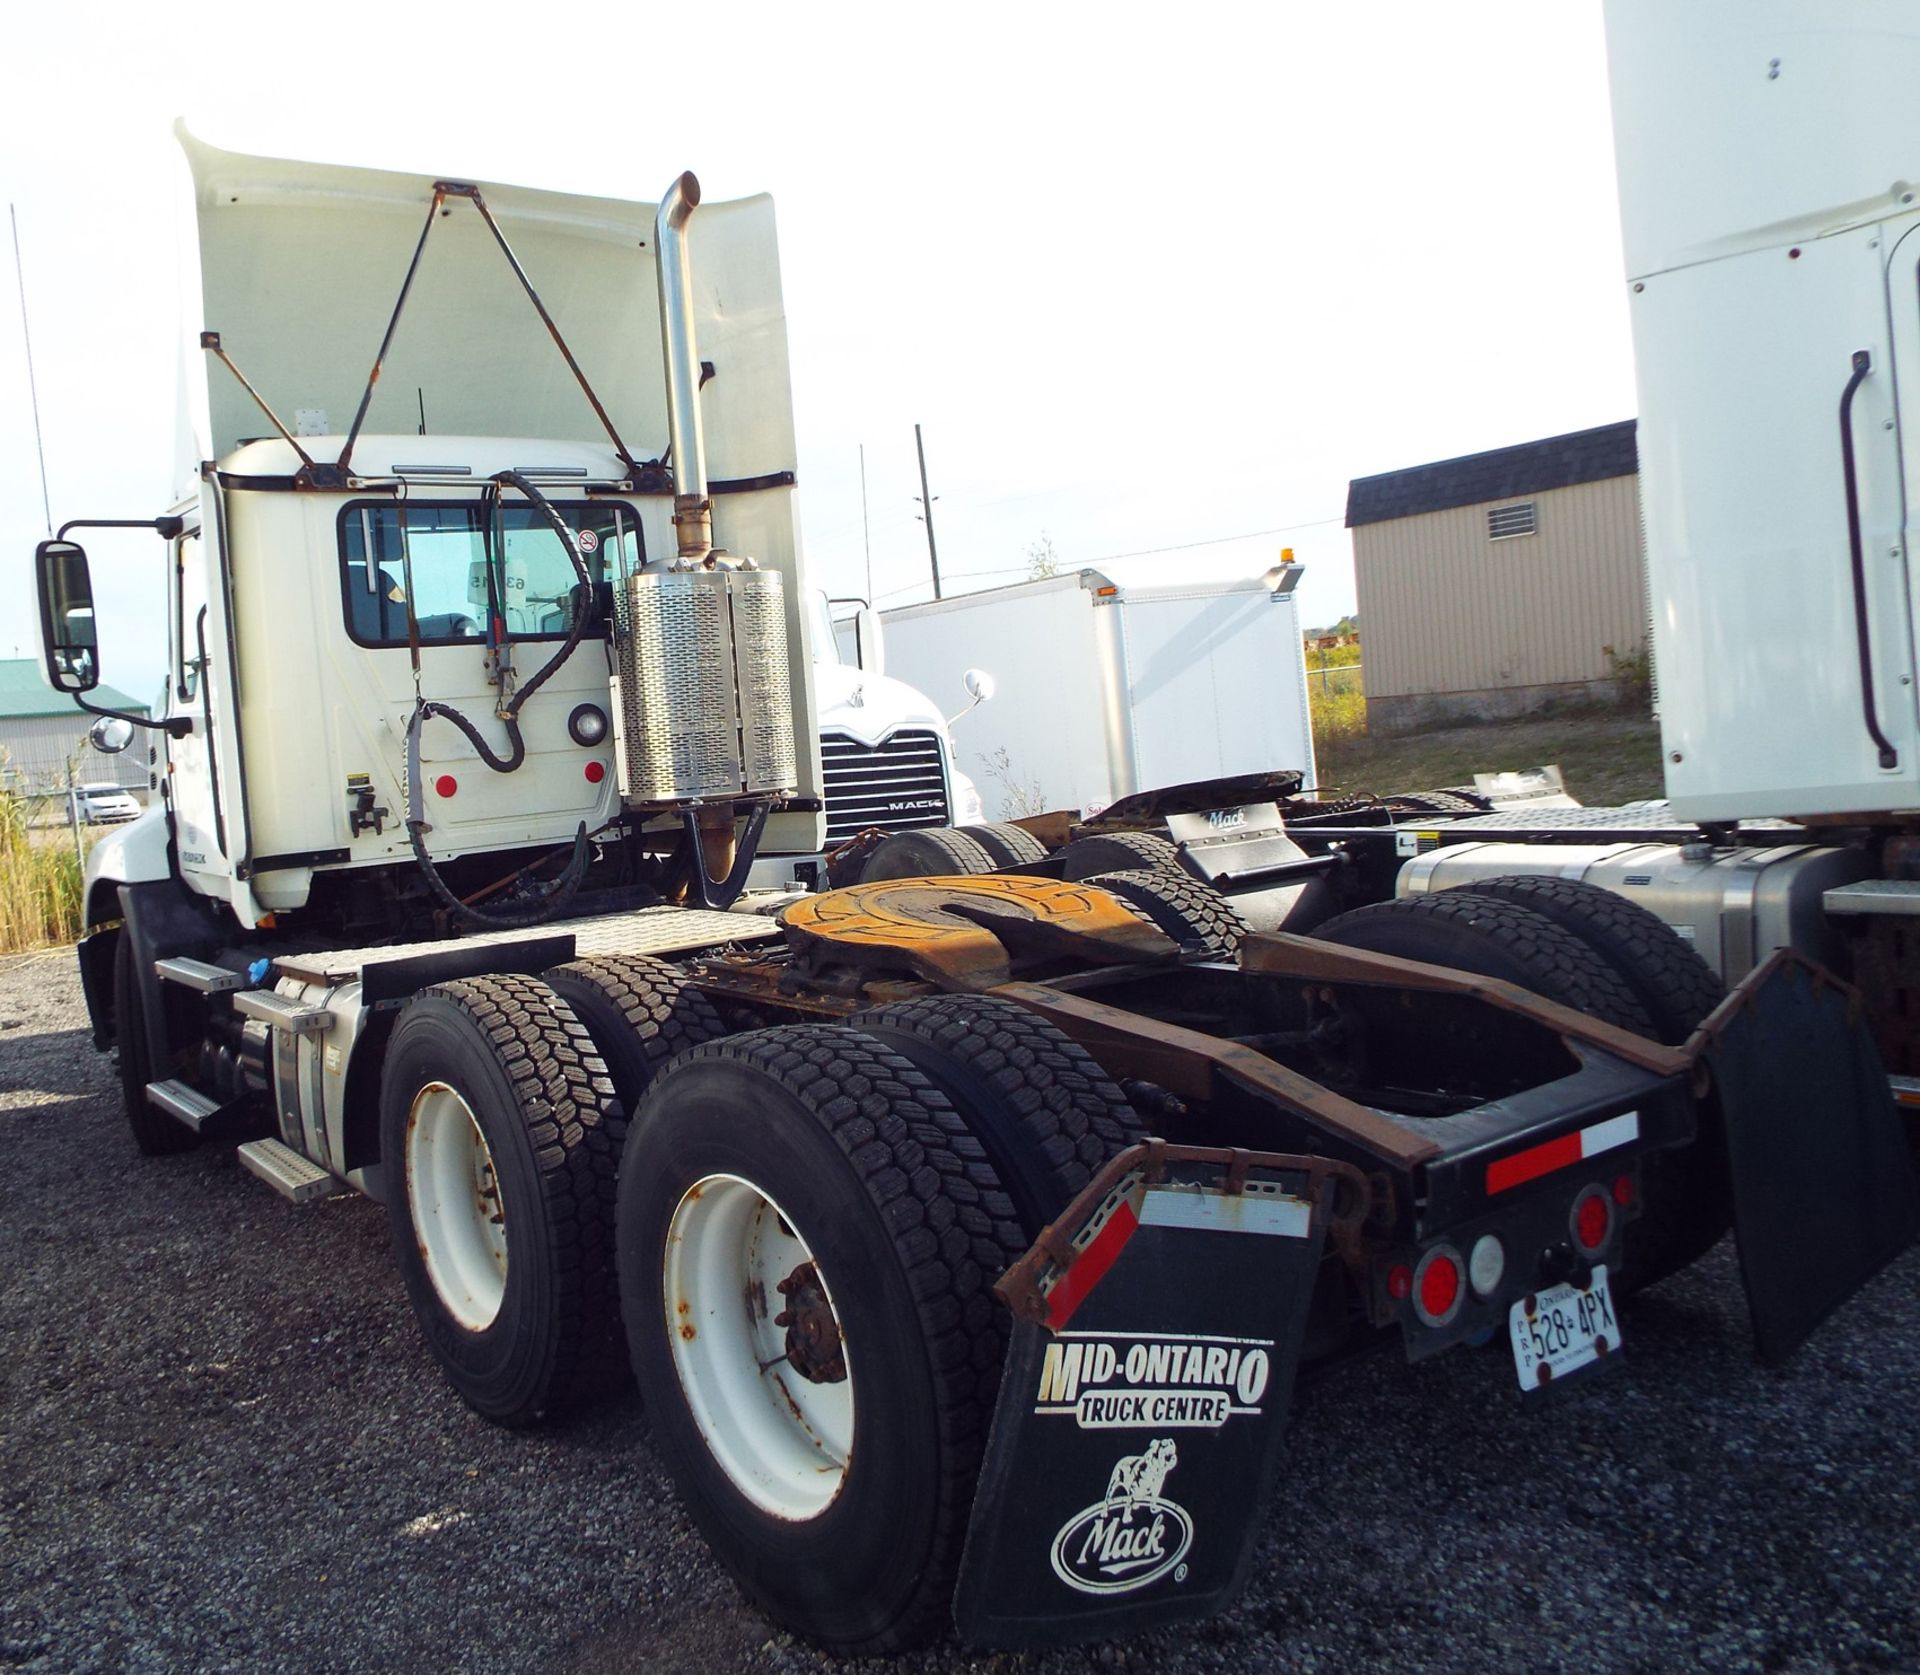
x,y
1153,1382
1132,1535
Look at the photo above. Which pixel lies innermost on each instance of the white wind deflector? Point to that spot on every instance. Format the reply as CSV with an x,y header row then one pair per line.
x,y
300,265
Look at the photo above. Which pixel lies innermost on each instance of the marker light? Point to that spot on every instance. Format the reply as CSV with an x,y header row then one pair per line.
x,y
1438,1286
596,771
587,725
446,785
1592,1220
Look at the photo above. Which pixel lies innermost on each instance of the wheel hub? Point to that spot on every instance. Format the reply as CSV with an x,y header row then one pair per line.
x,y
814,1346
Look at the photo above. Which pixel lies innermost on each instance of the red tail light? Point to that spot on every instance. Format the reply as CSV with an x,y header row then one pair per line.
x,y
1592,1220
1438,1285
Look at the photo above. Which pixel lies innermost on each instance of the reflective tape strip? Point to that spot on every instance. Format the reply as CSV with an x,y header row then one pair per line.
x,y
1505,1173
1090,1266
1289,1218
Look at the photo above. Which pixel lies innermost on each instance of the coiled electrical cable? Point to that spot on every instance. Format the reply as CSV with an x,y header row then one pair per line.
x,y
550,898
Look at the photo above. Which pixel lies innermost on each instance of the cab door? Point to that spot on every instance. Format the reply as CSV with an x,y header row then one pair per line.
x,y
1776,542
203,771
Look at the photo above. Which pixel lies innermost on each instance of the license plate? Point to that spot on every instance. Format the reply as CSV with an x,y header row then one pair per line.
x,y
1562,1329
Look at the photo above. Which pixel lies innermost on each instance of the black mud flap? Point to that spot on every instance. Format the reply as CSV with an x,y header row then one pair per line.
x,y
1823,1188
1157,1330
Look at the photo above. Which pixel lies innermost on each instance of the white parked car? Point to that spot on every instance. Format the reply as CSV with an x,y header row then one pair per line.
x,y
104,805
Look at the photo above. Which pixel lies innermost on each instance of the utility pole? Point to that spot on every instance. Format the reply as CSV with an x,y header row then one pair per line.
x,y
926,501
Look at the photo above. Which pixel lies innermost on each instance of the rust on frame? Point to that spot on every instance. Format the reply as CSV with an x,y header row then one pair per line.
x,y
1191,1064
1277,954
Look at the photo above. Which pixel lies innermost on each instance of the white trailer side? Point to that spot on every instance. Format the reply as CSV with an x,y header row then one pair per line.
x,y
1103,690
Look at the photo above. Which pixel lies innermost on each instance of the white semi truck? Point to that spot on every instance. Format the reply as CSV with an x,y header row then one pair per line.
x,y
963,1233
1103,691
1772,233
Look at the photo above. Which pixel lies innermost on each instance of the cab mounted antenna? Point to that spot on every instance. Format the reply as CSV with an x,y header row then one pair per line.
x,y
33,393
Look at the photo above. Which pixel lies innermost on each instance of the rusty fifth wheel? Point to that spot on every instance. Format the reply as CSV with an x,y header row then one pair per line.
x,y
807,1238
500,1131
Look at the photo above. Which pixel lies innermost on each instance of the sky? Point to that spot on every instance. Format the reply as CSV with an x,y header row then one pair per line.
x,y
1155,282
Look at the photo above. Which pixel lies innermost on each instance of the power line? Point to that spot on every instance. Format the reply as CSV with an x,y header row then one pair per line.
x,y
1217,540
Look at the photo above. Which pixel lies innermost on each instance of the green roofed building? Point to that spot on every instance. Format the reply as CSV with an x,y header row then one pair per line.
x,y
43,731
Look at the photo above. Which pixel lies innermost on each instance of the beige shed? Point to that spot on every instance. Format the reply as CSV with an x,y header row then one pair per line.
x,y
1500,583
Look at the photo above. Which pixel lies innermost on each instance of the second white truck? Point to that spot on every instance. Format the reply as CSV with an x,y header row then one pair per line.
x,y
1104,690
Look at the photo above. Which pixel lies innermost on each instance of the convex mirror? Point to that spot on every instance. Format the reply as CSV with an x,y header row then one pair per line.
x,y
67,629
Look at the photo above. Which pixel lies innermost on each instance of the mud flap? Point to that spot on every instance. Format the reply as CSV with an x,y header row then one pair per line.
x,y
1824,1194
1146,1391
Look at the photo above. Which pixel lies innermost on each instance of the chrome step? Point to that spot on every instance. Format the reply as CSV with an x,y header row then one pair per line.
x,y
198,974
295,1178
296,1017
182,1101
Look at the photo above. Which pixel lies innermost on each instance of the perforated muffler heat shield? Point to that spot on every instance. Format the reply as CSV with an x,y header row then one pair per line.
x,y
703,707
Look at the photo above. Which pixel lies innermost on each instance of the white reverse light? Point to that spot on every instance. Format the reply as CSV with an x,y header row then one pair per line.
x,y
1487,1265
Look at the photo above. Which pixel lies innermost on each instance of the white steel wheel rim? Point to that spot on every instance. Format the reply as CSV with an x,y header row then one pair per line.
x,y
453,1195
783,1440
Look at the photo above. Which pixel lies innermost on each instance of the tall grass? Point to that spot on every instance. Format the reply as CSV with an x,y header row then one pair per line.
x,y
1338,700
40,881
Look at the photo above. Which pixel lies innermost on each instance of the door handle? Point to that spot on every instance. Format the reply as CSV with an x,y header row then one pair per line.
x,y
1862,365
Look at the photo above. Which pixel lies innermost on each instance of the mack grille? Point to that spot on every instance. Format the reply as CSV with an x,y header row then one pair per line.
x,y
894,785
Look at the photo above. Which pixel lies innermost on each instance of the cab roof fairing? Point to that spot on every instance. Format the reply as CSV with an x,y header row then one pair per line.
x,y
299,265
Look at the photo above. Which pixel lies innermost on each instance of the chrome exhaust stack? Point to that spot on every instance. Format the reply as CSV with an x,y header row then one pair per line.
x,y
692,509
702,695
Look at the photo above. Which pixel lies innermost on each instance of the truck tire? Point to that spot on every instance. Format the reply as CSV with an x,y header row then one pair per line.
x,y
1677,987
501,1131
810,1157
1010,846
930,852
1494,939
1686,1196
154,1132
1195,915
640,1012
1047,1114
1086,857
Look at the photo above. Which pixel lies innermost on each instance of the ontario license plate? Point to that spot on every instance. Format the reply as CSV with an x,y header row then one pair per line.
x,y
1562,1329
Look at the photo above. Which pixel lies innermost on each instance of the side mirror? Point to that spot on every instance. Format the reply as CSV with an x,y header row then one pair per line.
x,y
980,687
870,640
110,735
67,630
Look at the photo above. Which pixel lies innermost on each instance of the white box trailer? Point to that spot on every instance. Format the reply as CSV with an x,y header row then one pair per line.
x,y
1103,690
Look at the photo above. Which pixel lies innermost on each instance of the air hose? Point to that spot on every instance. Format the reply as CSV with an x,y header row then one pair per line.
x,y
550,898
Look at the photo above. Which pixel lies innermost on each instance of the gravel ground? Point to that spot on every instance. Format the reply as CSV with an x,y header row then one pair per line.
x,y
222,1447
